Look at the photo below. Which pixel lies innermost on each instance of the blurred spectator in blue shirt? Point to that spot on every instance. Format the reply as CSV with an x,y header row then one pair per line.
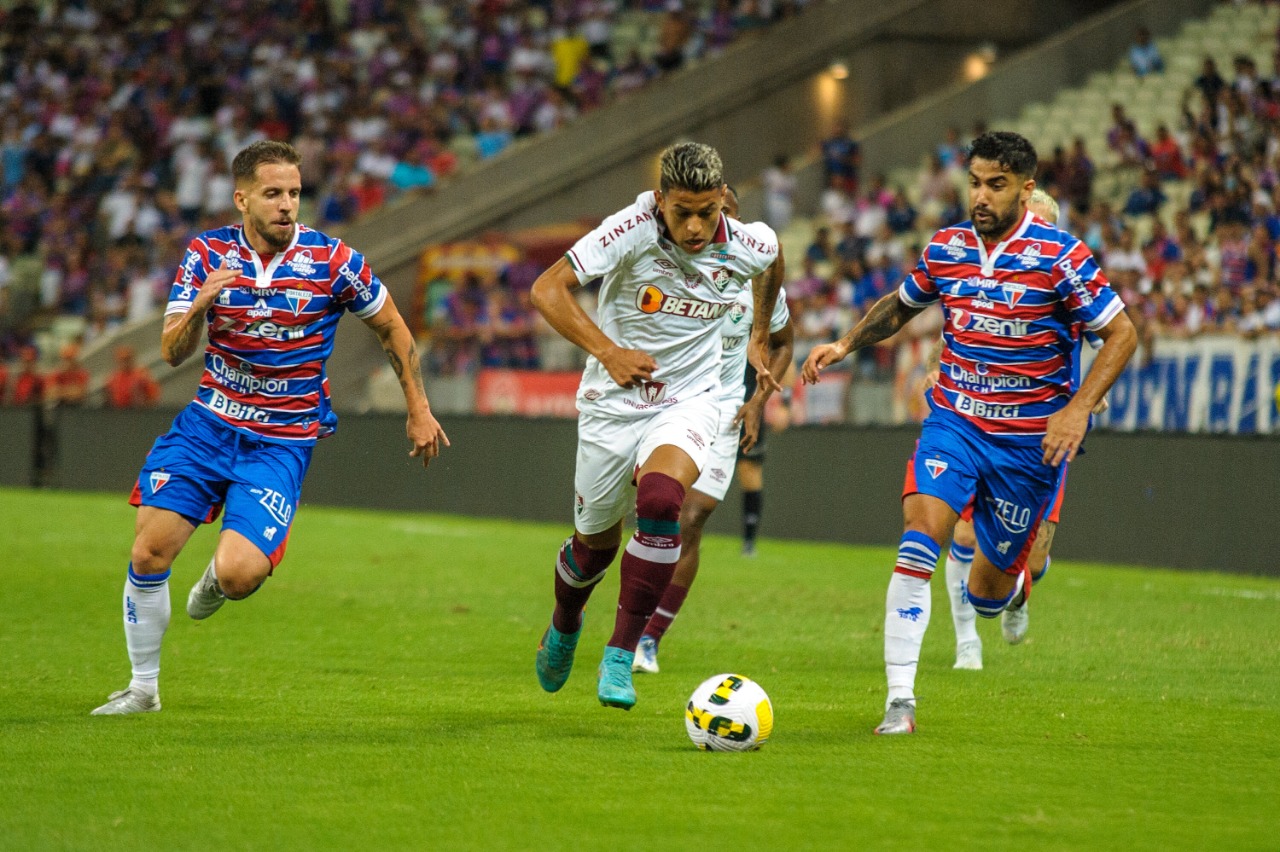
x,y
1144,57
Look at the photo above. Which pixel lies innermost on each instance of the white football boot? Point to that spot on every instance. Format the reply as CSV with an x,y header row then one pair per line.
x,y
899,718
969,655
129,701
205,597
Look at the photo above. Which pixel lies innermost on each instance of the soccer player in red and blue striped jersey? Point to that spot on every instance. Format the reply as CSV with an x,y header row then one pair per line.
x,y
270,292
1007,409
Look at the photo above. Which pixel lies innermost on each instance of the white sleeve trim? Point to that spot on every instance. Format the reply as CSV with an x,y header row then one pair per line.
x,y
375,305
575,263
912,303
178,308
1106,316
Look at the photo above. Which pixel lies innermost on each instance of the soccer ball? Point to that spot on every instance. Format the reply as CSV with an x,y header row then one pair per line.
x,y
729,713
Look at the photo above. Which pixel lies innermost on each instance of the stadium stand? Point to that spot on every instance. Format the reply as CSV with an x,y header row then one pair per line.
x,y
118,129
1170,180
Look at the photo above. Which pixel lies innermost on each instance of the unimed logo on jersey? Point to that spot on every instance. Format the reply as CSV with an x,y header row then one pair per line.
x,y
651,300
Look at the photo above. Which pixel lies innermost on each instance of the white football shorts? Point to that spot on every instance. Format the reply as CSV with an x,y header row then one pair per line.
x,y
718,474
612,450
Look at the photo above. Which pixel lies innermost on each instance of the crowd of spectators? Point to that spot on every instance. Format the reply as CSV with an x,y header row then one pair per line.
x,y
129,385
118,120
1192,244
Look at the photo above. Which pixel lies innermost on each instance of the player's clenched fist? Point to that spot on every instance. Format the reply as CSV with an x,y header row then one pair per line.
x,y
820,358
217,279
628,367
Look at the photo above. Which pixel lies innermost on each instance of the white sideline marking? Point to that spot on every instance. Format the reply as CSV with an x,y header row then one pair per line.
x,y
1246,594
427,528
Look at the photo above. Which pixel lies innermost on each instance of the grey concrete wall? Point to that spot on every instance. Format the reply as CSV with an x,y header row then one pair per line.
x,y
1179,501
17,434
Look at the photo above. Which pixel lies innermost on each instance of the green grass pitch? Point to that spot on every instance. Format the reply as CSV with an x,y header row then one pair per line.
x,y
379,693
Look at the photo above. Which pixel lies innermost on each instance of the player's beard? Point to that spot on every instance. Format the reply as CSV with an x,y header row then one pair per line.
x,y
1000,225
270,234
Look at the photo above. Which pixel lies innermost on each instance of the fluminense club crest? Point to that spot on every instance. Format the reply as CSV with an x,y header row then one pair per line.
x,y
653,392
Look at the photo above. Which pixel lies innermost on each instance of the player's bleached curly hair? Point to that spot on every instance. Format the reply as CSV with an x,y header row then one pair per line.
x,y
1047,206
245,166
692,166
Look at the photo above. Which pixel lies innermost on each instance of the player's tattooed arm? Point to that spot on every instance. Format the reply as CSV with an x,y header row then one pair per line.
x,y
425,434
886,317
764,294
402,353
181,332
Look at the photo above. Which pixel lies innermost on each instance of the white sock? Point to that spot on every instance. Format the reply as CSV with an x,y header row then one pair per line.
x,y
906,617
963,615
146,617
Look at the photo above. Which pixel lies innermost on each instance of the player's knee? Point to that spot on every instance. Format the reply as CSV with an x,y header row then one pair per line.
x,y
964,535
659,497
694,515
239,578
149,556
238,586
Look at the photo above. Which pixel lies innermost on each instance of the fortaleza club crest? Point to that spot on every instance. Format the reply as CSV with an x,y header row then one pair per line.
x,y
158,480
1013,292
653,392
298,300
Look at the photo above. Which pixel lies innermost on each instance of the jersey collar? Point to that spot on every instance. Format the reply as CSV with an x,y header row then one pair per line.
x,y
263,273
989,261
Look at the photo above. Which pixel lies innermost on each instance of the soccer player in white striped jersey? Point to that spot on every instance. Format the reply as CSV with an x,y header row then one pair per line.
x,y
740,425
672,266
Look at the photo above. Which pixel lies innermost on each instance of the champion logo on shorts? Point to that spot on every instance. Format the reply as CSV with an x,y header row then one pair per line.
x,y
936,467
158,480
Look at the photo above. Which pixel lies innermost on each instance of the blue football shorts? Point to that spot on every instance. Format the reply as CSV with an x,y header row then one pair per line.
x,y
201,466
1010,485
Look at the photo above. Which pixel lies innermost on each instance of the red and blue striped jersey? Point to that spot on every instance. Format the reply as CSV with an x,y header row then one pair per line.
x,y
272,329
1011,322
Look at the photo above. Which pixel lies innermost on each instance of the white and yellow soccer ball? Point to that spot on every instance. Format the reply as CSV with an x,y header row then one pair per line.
x,y
729,712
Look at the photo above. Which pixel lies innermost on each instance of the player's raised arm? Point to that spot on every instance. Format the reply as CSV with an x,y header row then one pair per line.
x,y
181,332
422,429
886,317
552,295
764,293
1065,430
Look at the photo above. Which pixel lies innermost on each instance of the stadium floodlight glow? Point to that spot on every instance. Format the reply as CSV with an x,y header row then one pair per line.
x,y
838,69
